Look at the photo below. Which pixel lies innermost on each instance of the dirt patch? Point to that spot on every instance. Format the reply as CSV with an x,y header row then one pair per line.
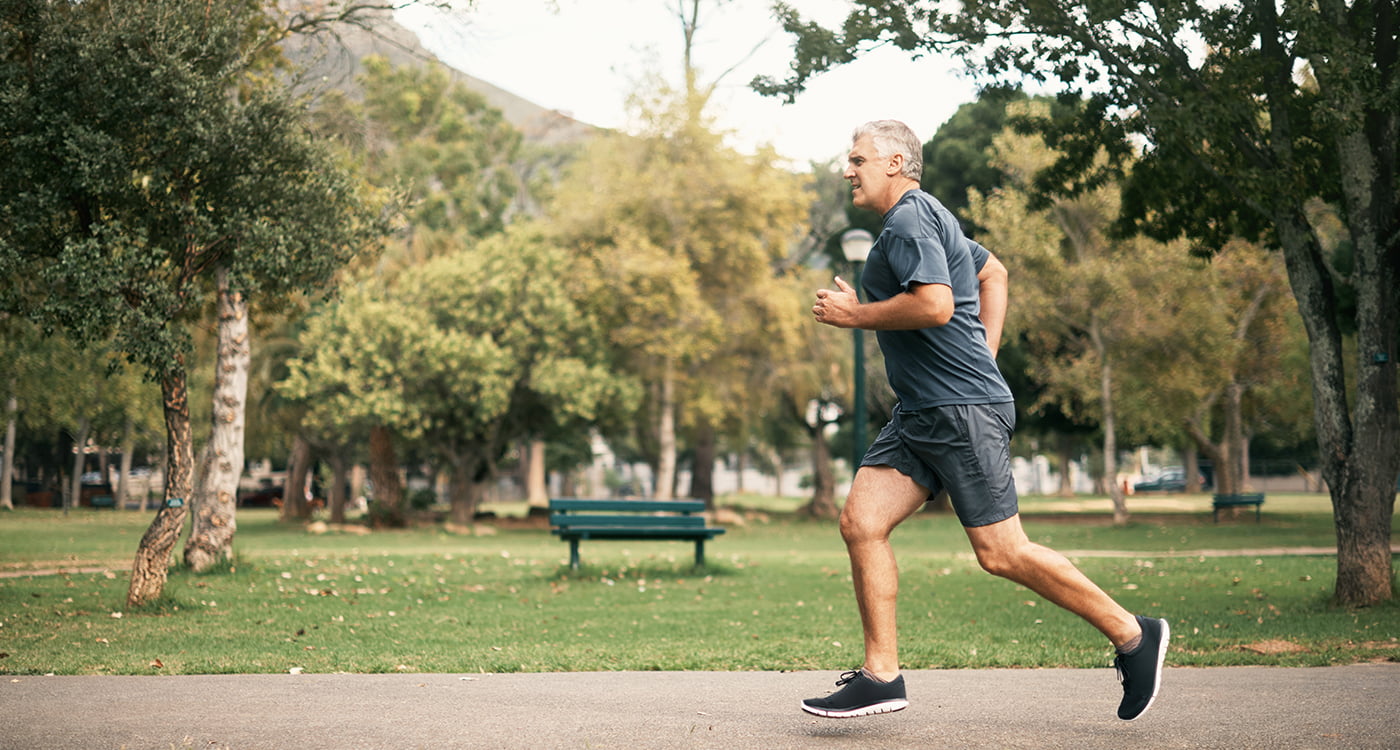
x,y
1274,647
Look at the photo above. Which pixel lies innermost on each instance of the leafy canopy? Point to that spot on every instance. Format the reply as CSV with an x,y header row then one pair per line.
x,y
143,155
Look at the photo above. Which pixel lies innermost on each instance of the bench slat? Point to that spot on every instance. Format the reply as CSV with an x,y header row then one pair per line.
x,y
630,506
616,532
678,522
574,520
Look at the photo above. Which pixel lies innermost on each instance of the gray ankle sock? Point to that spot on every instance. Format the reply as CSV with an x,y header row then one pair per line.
x,y
1130,646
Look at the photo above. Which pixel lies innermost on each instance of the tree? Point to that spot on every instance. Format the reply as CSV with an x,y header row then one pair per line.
x,y
957,160
1079,292
464,356
153,157
1290,104
691,232
1244,306
450,151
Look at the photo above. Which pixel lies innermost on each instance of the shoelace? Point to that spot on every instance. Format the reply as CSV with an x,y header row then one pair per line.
x,y
1118,662
847,677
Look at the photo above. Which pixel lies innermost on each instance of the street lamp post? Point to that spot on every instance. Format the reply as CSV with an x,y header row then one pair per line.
x,y
855,245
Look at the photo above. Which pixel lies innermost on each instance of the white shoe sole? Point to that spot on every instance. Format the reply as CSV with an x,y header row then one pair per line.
x,y
887,707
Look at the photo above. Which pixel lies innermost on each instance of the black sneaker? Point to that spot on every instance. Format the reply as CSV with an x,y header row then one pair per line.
x,y
1141,671
861,696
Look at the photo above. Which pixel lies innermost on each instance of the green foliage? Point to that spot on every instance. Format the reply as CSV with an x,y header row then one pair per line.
x,y
148,158
420,129
677,236
956,159
465,353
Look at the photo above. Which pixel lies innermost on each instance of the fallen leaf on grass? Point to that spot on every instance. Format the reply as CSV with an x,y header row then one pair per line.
x,y
157,663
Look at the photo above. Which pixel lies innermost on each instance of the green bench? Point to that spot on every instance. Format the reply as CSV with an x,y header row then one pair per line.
x,y
1223,502
104,501
576,520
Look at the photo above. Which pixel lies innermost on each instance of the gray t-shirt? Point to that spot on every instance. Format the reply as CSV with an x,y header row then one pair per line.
x,y
921,243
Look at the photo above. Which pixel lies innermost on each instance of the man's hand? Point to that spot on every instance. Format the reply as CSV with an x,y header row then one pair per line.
x,y
837,307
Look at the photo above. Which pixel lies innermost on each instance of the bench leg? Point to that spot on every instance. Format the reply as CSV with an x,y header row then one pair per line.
x,y
699,553
573,554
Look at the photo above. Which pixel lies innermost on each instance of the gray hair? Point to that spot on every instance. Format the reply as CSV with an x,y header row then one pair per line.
x,y
894,137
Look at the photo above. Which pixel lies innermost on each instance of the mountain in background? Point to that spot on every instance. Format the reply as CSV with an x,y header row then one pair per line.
x,y
331,59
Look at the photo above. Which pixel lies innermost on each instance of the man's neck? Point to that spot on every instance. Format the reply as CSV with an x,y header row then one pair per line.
x,y
897,192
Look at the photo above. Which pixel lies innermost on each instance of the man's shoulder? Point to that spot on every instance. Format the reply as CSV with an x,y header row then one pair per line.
x,y
917,214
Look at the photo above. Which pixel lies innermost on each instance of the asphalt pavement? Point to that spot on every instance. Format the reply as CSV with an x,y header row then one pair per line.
x,y
1355,707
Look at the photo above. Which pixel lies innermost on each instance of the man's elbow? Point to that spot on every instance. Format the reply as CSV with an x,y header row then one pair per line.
x,y
993,272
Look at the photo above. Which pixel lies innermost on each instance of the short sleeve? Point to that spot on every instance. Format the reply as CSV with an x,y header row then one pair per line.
x,y
979,254
918,260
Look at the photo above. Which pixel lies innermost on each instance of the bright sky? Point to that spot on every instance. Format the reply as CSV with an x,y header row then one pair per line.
x,y
583,57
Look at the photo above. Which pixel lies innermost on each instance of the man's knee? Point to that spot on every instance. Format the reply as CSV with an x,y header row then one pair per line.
x,y
1005,560
857,527
998,562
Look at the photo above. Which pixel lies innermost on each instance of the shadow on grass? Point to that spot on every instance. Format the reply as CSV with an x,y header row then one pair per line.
x,y
648,569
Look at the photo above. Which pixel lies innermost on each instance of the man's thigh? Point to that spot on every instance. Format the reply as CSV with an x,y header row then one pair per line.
x,y
881,497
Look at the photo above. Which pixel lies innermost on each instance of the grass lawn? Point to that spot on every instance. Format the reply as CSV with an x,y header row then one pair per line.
x,y
775,596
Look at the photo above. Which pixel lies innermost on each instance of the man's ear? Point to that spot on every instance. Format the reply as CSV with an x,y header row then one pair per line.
x,y
895,166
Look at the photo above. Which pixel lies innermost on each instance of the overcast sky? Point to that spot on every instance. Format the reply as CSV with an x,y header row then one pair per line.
x,y
583,57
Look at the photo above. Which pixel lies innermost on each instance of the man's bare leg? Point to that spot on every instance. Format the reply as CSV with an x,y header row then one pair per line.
x,y
880,499
1003,549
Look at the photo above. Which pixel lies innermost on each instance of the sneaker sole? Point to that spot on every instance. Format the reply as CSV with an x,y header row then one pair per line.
x,y
886,707
1161,660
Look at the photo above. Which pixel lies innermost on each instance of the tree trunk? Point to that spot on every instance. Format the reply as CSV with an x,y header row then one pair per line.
x,y
7,473
1064,448
1110,437
702,472
741,460
214,525
666,437
1359,460
1234,433
1197,426
384,476
536,484
124,480
823,503
294,505
777,473
340,488
1224,480
149,571
74,495
465,490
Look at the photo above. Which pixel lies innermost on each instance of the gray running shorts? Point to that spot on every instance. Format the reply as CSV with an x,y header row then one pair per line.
x,y
964,448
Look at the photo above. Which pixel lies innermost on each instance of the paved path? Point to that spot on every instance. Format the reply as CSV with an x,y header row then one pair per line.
x,y
1354,707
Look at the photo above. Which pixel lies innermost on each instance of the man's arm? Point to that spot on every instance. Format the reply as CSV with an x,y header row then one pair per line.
x,y
993,288
923,306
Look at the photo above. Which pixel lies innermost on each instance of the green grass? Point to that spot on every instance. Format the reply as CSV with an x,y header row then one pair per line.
x,y
776,595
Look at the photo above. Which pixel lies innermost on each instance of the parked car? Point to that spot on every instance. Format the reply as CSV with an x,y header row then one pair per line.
x,y
1171,479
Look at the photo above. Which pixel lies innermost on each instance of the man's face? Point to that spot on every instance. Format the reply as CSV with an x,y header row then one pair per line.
x,y
868,173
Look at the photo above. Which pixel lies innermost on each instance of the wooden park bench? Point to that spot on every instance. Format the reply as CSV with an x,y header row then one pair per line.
x,y
576,520
1223,502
